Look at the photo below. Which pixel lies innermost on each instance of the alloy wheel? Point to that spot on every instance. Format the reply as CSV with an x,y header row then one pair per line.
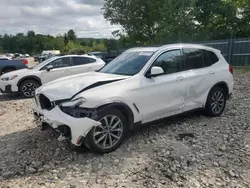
x,y
28,89
218,101
109,133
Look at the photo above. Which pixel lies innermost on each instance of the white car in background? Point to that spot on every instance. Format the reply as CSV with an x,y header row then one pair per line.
x,y
26,81
139,86
5,58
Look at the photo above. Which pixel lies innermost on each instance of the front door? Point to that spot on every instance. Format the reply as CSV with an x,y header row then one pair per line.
x,y
60,68
163,95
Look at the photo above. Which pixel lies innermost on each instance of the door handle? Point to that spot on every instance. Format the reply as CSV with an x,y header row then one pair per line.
x,y
211,72
180,78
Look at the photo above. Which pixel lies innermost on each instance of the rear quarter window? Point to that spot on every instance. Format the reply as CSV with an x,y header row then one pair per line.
x,y
209,58
193,58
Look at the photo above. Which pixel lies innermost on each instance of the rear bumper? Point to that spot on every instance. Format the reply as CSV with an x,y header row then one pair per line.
x,y
71,128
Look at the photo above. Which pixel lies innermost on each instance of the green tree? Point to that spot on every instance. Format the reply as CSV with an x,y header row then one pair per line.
x,y
162,21
139,18
58,43
71,35
66,39
99,47
177,23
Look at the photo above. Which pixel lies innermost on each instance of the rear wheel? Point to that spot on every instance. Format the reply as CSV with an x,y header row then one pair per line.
x,y
109,135
216,102
27,88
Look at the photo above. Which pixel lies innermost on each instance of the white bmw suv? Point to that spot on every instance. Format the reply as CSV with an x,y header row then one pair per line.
x,y
26,81
139,86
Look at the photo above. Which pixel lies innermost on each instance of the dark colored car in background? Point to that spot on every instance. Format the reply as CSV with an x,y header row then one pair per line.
x,y
11,65
44,57
36,57
106,56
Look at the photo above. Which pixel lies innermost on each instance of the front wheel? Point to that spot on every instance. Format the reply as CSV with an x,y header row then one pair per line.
x,y
28,87
216,102
109,135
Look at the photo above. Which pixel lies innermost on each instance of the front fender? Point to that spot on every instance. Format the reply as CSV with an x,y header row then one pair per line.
x,y
131,115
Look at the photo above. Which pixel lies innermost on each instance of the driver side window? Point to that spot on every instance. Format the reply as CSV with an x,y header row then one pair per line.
x,y
59,63
170,61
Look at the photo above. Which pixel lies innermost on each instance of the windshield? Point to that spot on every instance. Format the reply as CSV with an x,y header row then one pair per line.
x,y
128,63
42,64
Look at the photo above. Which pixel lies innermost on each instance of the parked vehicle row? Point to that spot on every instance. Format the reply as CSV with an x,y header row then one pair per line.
x,y
97,109
105,56
46,54
27,80
17,55
5,58
14,56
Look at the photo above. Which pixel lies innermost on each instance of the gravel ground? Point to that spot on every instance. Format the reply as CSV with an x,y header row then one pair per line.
x,y
187,151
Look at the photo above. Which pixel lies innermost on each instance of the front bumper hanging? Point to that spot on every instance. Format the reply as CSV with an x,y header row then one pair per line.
x,y
78,127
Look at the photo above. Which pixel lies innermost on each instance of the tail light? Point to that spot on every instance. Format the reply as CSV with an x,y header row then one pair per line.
x,y
231,69
25,62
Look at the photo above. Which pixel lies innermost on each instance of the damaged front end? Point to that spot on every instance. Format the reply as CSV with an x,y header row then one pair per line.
x,y
70,120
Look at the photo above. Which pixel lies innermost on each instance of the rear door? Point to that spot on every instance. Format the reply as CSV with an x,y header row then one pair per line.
x,y
200,74
84,64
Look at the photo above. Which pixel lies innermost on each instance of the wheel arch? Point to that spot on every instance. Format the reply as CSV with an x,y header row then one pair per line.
x,y
123,108
35,78
222,85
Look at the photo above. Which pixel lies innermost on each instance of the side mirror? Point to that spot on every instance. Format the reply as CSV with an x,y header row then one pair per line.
x,y
49,67
155,71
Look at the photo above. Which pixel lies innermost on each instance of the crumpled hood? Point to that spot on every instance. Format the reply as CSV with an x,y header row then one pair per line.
x,y
67,87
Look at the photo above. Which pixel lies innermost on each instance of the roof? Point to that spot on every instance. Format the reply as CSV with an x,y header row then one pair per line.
x,y
75,55
180,45
142,49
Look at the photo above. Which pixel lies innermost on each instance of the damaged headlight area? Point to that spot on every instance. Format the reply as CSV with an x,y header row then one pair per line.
x,y
78,112
74,103
72,108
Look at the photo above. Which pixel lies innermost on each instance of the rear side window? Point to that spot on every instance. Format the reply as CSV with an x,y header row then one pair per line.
x,y
193,58
209,58
80,61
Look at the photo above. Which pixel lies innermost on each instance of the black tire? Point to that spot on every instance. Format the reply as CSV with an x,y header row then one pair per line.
x,y
90,140
214,108
31,86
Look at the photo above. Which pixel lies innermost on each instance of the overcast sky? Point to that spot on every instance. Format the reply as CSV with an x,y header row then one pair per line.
x,y
54,17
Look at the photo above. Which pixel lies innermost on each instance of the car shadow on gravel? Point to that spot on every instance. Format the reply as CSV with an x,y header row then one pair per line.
x,y
31,151
10,97
35,152
168,123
